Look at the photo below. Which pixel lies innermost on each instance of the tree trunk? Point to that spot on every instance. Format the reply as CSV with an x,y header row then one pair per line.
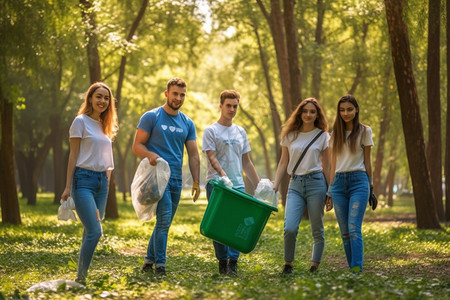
x,y
434,149
30,165
390,183
8,193
58,158
447,136
123,166
317,58
292,51
275,21
276,119
263,142
412,123
359,64
123,62
111,211
384,127
91,36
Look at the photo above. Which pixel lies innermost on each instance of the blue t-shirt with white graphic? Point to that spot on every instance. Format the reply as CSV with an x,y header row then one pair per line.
x,y
168,134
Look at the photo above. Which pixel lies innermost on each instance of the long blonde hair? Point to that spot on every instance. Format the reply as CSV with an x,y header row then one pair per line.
x,y
109,120
295,122
338,135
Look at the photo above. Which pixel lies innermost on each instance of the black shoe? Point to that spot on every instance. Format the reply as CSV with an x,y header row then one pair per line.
x,y
81,280
223,266
147,267
232,267
313,269
160,271
287,269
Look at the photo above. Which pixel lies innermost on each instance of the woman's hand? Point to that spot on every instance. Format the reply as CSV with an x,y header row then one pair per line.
x,y
328,204
65,194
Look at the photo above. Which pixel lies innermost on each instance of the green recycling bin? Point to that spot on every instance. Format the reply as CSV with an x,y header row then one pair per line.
x,y
234,218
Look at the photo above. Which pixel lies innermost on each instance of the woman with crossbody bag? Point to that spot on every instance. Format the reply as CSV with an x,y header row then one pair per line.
x,y
304,156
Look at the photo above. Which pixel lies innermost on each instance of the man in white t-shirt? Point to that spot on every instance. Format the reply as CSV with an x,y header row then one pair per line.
x,y
228,152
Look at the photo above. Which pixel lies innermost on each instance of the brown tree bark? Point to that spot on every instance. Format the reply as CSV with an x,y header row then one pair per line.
x,y
317,59
411,119
262,137
122,166
390,183
123,155
58,158
275,21
276,119
384,127
92,41
284,35
434,149
8,193
292,51
30,164
447,136
359,64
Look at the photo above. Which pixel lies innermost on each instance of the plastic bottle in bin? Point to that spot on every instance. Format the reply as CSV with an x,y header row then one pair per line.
x,y
264,192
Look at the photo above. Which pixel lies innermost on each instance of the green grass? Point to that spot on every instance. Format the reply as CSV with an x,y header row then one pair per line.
x,y
400,261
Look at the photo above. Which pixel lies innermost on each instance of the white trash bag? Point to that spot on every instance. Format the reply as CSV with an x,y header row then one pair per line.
x,y
264,192
149,184
65,210
55,285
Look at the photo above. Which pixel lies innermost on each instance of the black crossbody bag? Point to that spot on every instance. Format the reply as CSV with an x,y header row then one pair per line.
x,y
304,152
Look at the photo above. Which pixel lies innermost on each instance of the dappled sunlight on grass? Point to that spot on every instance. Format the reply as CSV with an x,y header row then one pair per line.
x,y
400,261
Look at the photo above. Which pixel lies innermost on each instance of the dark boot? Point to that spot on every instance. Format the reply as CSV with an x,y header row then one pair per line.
x,y
232,267
223,266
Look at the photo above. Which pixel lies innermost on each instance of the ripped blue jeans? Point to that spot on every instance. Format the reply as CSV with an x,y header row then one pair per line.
x,y
350,194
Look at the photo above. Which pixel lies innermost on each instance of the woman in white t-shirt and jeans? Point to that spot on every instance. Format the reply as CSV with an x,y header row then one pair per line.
x,y
90,165
308,185
351,177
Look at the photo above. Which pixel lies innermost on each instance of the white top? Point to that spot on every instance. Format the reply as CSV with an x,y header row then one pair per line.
x,y
350,162
311,162
95,146
229,143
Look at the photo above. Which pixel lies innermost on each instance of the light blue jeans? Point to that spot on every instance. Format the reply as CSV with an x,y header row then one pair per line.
x,y
167,207
223,252
350,194
305,191
89,193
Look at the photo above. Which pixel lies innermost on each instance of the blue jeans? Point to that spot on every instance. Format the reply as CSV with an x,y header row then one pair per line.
x,y
223,252
305,191
89,193
350,194
167,206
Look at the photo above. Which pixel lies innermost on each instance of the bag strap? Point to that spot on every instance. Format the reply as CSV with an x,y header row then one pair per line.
x,y
304,152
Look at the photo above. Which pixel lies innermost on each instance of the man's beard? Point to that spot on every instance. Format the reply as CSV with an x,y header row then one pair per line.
x,y
169,103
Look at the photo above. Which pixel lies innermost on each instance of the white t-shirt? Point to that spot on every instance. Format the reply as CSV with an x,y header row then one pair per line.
x,y
95,146
229,143
350,162
311,162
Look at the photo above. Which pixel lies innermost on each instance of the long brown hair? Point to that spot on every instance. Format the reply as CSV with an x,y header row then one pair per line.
x,y
338,136
295,122
109,120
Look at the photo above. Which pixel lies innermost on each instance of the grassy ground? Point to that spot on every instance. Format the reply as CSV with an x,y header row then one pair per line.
x,y
400,261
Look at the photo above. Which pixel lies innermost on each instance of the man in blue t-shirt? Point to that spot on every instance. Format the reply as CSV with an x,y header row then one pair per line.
x,y
163,132
228,152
